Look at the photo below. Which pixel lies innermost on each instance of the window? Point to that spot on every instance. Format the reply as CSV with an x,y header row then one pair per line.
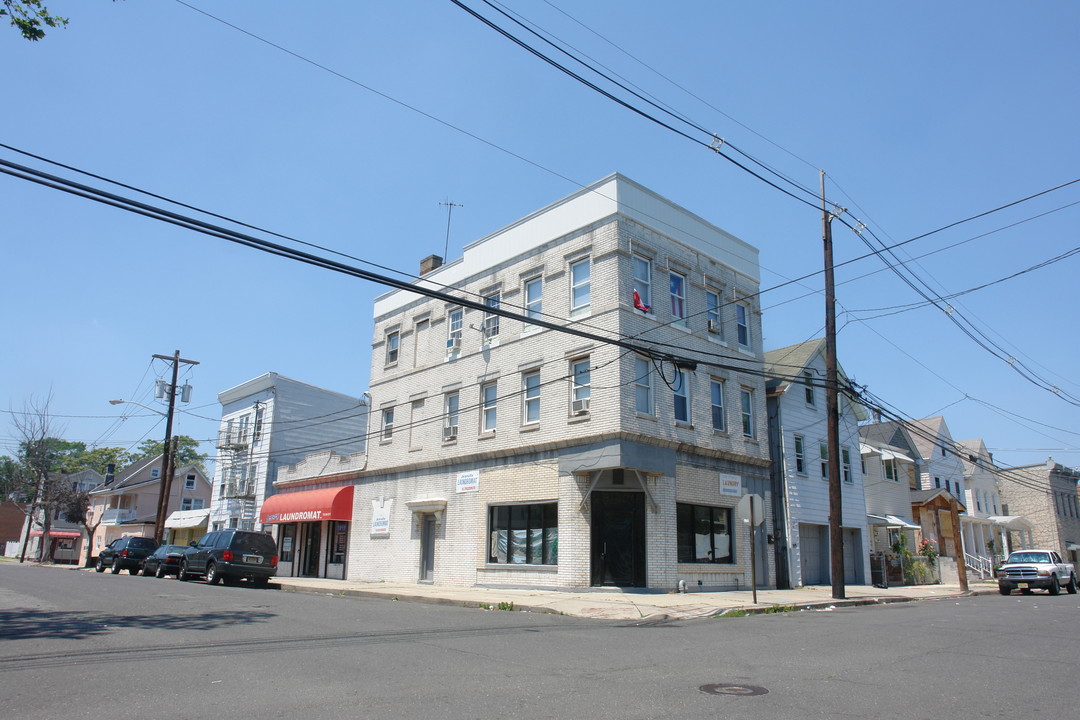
x,y
579,287
742,324
845,465
392,340
530,386
889,466
387,423
937,482
703,534
823,453
712,313
534,298
451,404
338,542
189,482
245,429
808,381
288,536
719,422
524,534
677,285
995,504
580,373
155,473
191,504
800,455
488,399
681,390
454,323
259,412
746,398
491,320
642,386
978,501
642,283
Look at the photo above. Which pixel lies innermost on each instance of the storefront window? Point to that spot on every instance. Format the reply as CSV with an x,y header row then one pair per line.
x,y
524,534
339,541
288,538
704,534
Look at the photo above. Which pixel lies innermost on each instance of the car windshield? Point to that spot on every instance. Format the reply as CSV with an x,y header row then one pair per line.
x,y
1029,557
254,542
139,542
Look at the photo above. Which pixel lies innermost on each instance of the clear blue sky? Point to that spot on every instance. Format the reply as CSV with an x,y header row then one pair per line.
x,y
921,113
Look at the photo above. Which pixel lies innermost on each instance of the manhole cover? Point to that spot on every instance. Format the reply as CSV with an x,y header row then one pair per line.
x,y
731,689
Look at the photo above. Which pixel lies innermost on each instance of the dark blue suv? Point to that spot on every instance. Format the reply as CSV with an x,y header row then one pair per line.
x,y
230,555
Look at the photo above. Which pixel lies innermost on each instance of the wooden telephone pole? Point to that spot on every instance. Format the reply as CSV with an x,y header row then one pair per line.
x,y
832,409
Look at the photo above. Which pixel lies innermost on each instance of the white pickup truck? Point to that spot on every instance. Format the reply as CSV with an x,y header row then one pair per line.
x,y
1030,569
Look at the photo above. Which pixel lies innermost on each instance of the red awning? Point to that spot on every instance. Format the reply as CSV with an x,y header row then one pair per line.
x,y
74,534
334,503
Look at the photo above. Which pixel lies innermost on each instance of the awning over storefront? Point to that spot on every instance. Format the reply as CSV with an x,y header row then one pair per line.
x,y
68,534
188,518
892,521
334,503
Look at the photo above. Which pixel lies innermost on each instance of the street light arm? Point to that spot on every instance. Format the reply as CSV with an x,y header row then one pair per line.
x,y
145,407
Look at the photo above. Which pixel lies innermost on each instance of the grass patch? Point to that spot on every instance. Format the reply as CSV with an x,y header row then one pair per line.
x,y
771,610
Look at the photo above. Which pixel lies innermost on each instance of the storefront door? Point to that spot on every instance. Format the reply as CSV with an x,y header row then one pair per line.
x,y
312,541
427,549
618,539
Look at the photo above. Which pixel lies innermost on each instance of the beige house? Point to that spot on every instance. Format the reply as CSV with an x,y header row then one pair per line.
x,y
1046,496
127,505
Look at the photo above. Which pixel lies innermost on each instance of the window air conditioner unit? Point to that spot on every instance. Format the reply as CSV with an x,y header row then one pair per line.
x,y
453,344
714,326
450,432
580,407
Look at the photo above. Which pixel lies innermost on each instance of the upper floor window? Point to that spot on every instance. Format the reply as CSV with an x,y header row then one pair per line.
x,y
191,504
712,313
451,404
580,378
155,473
534,298
643,402
642,283
889,466
491,320
488,400
260,411
580,272
747,402
742,324
245,428
677,284
719,422
387,423
392,340
454,324
681,390
808,389
530,387
845,466
823,455
800,455
189,482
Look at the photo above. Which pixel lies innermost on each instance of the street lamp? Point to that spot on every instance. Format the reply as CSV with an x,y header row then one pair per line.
x,y
166,464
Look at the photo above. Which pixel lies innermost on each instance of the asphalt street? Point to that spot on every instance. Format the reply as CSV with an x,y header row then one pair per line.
x,y
77,644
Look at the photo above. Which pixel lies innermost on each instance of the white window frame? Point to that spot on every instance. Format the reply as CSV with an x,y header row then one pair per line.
x,y
643,386
530,398
189,481
823,458
889,469
580,287
845,466
451,410
746,407
392,348
799,446
643,285
718,407
387,424
712,314
677,288
455,322
680,391
534,304
491,320
489,405
580,379
808,390
742,325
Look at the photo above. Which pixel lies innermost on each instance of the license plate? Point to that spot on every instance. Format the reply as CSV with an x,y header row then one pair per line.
x,y
1023,585
253,559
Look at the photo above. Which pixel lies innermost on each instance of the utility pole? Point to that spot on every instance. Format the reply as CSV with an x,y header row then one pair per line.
x,y
832,409
169,448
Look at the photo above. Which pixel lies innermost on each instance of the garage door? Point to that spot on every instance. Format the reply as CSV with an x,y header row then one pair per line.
x,y
812,547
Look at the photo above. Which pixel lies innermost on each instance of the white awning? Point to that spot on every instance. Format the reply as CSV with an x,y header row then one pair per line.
x,y
187,518
1012,522
892,521
1072,546
885,454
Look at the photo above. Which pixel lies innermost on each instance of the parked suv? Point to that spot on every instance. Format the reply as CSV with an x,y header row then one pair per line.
x,y
231,555
126,553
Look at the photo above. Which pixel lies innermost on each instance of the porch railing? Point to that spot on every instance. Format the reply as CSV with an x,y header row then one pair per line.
x,y
977,563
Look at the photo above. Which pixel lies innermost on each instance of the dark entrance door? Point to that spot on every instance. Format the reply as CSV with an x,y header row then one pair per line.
x,y
427,549
312,541
618,539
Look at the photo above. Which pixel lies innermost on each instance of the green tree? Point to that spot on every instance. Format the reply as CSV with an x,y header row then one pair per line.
x,y
30,17
187,452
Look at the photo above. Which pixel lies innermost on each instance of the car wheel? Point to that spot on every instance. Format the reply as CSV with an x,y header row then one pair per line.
x,y
115,567
1004,590
146,571
181,572
100,566
213,577
160,571
1054,588
1071,587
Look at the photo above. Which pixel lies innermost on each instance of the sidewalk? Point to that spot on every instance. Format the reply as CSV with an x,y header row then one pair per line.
x,y
625,605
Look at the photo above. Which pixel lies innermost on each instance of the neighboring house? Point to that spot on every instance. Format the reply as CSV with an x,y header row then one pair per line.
x,y
127,505
12,523
190,521
985,528
271,421
799,447
1046,495
889,475
66,541
510,454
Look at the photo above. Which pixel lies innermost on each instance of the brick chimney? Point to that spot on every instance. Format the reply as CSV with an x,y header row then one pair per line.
x,y
431,262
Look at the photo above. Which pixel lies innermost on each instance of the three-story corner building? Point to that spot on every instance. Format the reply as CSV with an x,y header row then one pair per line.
x,y
798,437
504,453
272,421
1045,496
